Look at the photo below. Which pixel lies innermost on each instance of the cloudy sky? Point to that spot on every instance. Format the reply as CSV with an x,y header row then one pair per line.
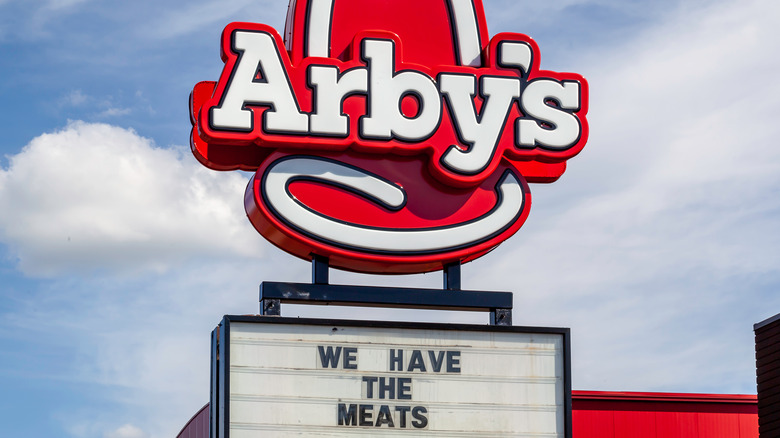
x,y
119,253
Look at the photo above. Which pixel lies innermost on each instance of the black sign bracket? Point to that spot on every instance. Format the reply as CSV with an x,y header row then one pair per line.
x,y
320,292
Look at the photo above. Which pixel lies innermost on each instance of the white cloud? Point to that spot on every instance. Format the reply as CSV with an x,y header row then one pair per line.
x,y
127,431
114,112
94,196
104,107
58,5
199,15
167,250
52,4
74,98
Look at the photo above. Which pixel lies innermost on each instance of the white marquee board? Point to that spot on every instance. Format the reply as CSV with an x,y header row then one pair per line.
x,y
283,377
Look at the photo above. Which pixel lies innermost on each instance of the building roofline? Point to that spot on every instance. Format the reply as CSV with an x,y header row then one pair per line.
x,y
181,432
766,322
664,397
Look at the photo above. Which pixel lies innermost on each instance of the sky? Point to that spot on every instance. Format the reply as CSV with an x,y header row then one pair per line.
x,y
119,253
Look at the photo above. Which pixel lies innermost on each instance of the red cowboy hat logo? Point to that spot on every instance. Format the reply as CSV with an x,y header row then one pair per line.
x,y
388,136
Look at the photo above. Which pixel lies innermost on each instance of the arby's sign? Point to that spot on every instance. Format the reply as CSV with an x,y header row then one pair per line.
x,y
390,136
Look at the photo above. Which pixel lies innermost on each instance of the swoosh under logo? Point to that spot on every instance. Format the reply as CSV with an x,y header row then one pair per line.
x,y
275,191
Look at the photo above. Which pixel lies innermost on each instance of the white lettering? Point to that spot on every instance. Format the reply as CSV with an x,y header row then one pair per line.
x,y
385,120
260,78
479,132
331,90
564,128
259,55
516,54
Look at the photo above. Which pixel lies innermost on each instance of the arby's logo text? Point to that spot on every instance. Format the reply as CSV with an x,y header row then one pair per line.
x,y
388,136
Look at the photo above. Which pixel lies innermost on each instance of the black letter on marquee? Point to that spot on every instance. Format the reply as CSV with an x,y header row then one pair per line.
x,y
396,360
384,417
387,387
328,359
350,358
453,361
347,417
420,420
403,410
404,388
436,361
369,386
416,361
365,415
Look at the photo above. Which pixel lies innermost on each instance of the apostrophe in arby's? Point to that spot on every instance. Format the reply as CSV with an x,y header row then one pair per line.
x,y
385,140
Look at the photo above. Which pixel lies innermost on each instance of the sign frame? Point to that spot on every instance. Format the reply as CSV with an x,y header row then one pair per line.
x,y
220,356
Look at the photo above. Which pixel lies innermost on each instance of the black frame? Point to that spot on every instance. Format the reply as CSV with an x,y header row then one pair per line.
x,y
220,361
273,294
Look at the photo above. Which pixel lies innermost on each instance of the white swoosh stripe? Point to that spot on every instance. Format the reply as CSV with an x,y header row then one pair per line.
x,y
280,174
319,22
467,30
464,25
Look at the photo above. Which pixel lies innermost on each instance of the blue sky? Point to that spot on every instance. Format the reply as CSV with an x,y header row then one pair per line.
x,y
119,253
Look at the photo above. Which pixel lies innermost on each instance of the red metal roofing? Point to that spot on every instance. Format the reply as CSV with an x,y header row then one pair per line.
x,y
630,415
662,415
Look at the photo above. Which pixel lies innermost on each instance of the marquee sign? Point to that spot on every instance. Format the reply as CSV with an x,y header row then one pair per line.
x,y
280,377
390,136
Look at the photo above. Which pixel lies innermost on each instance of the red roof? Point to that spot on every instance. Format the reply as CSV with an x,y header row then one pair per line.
x,y
654,415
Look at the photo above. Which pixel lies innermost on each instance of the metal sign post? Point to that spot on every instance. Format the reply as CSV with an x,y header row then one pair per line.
x,y
273,294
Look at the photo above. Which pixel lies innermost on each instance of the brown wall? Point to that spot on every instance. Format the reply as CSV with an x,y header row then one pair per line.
x,y
768,376
198,426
